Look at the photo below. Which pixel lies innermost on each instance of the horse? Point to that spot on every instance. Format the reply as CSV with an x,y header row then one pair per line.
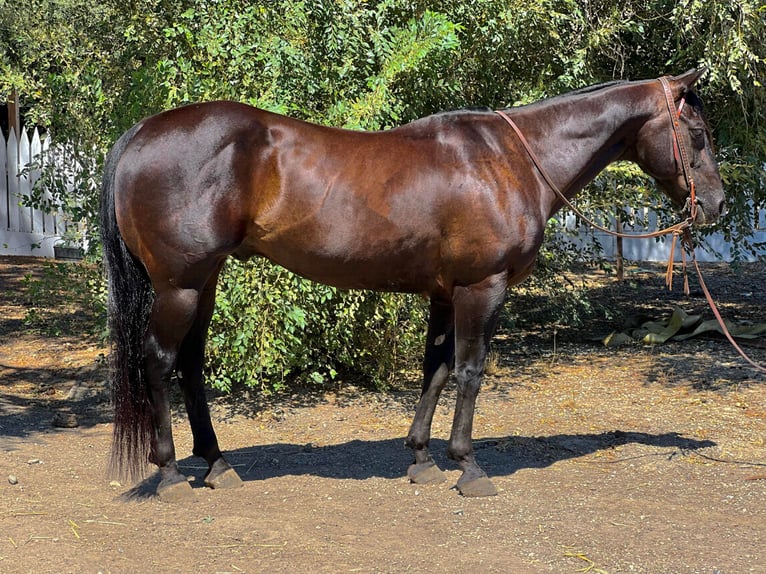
x,y
450,206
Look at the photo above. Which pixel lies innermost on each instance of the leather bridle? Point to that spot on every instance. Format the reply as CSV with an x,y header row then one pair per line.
x,y
679,148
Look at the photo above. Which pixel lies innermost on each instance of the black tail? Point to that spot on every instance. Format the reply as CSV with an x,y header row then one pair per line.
x,y
129,305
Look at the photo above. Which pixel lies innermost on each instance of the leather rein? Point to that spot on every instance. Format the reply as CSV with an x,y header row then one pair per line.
x,y
681,229
682,157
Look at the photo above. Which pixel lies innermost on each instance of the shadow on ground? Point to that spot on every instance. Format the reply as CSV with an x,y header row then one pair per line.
x,y
86,399
361,460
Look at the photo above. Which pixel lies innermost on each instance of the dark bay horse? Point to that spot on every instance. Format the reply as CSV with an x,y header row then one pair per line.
x,y
449,206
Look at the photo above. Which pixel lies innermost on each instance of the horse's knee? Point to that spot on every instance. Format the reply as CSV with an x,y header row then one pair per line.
x,y
468,376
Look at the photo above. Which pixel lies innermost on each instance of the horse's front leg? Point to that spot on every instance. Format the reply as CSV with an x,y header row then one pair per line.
x,y
477,309
440,351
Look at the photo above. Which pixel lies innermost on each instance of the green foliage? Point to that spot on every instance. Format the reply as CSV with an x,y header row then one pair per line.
x,y
271,326
66,299
87,72
328,61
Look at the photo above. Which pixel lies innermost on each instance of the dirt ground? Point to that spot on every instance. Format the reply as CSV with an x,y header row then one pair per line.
x,y
607,460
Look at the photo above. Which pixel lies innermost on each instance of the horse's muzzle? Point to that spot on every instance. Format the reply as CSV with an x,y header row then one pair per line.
x,y
709,209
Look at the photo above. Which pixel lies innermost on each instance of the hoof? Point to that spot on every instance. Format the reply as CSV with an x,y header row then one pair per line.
x,y
481,486
425,473
221,475
175,491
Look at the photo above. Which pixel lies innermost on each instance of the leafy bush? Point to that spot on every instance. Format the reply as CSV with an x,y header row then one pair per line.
x,y
66,299
271,327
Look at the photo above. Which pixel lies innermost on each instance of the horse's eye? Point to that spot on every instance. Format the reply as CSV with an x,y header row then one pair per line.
x,y
698,137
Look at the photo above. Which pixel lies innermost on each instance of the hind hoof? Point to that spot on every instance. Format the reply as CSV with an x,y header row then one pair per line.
x,y
477,487
223,476
425,473
175,491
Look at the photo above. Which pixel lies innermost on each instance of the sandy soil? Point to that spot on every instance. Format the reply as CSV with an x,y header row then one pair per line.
x,y
635,459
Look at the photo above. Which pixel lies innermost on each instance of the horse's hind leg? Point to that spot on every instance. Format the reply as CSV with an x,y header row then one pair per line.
x,y
189,369
440,350
477,309
172,314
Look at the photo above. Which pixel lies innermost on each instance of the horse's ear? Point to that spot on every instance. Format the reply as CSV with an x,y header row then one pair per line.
x,y
686,81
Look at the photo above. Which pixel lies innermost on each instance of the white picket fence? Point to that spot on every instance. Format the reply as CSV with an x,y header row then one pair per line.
x,y
715,248
23,229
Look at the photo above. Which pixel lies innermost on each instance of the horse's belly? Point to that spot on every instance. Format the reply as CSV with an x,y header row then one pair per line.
x,y
351,265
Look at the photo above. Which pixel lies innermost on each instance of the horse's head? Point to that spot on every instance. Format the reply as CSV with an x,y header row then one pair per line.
x,y
681,158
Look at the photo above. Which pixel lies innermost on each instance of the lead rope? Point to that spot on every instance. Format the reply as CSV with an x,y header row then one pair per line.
x,y
687,241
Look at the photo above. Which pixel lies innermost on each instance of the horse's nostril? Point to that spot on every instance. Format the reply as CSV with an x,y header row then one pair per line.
x,y
721,206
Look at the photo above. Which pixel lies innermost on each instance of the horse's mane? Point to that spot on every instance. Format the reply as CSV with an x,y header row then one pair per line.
x,y
593,88
482,110
477,110
574,94
691,99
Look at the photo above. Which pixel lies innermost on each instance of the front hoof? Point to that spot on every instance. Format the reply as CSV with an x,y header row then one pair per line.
x,y
221,475
481,486
425,473
176,491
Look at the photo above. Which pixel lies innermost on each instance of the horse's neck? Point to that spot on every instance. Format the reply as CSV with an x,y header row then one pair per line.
x,y
576,139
